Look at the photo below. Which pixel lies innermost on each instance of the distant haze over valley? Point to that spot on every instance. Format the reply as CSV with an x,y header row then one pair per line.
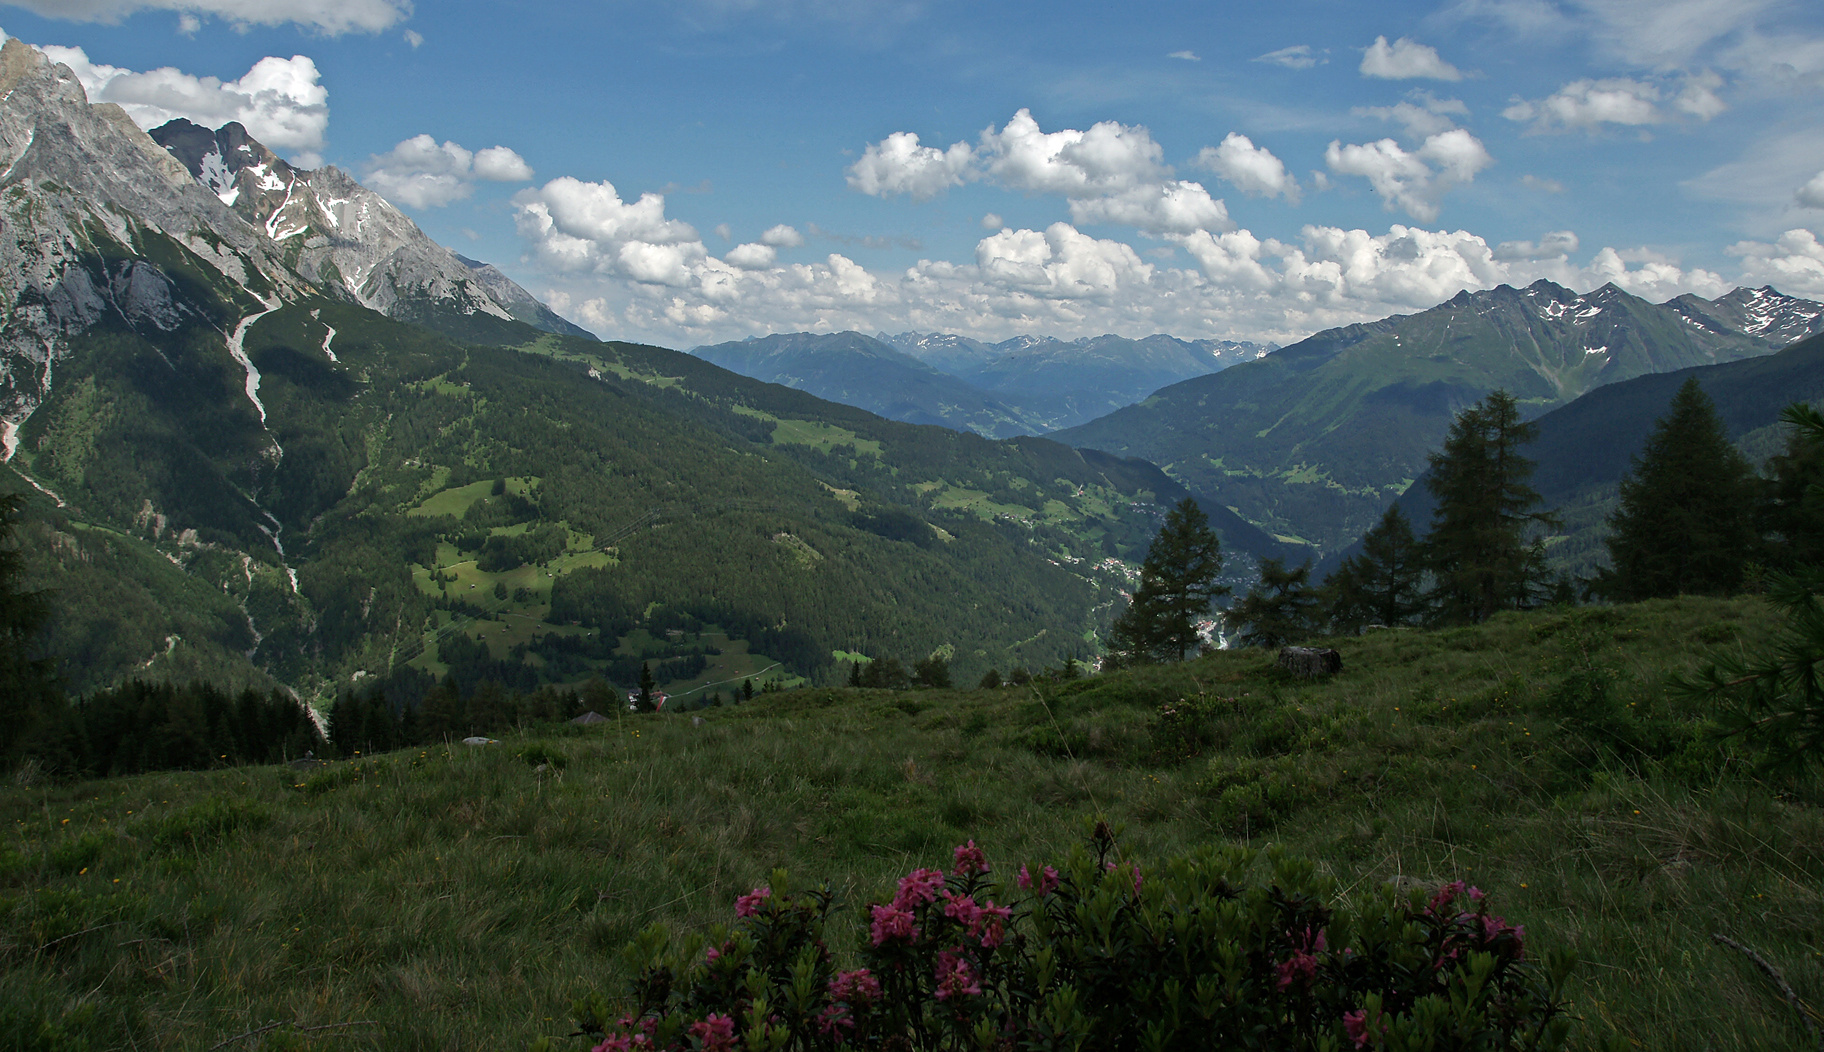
x,y
1022,386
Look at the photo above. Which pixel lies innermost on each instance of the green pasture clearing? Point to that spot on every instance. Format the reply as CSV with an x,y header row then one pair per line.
x,y
974,501
456,502
821,437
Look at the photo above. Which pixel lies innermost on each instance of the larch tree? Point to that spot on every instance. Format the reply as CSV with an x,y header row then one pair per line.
x,y
1477,549
1384,583
1685,522
1281,608
1177,585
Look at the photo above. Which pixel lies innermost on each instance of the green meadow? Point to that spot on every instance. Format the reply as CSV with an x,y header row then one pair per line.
x,y
457,897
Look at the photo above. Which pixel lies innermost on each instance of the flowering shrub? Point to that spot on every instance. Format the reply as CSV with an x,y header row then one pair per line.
x,y
1097,954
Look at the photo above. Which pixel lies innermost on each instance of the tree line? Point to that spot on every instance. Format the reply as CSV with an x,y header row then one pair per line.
x,y
1693,518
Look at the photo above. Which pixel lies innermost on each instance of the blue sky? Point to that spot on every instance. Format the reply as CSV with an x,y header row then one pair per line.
x,y
701,170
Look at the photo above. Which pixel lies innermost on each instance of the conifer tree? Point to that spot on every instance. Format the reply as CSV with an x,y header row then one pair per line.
x,y
30,701
1477,549
644,703
1772,693
1281,608
1177,585
1789,515
1384,583
1683,525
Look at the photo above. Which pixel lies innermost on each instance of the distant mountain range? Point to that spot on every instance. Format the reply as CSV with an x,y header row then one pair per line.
x,y
1023,386
1313,441
1584,448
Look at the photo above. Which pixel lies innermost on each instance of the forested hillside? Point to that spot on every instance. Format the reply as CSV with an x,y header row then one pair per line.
x,y
541,513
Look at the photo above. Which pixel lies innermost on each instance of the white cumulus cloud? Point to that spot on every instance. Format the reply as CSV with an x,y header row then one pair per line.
x,y
752,256
1406,59
1172,206
899,165
279,101
326,16
1111,173
1793,264
1249,168
572,225
1811,195
1415,181
421,173
1062,262
1625,101
1108,158
782,236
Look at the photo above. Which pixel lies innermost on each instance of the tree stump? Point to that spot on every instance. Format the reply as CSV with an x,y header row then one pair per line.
x,y
1310,662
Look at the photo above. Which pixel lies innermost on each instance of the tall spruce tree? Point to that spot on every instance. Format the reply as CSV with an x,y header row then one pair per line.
x,y
644,702
1477,548
1789,514
31,704
1281,608
1177,585
1684,525
1771,692
1384,584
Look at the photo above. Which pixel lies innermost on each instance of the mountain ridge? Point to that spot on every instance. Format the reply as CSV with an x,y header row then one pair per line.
x,y
1311,441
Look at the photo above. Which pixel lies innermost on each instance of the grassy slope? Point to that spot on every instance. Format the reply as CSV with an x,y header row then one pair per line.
x,y
459,899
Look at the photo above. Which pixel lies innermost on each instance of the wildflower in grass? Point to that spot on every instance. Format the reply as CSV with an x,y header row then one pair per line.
x,y
717,1032
1496,927
856,987
918,887
1047,881
970,859
987,923
832,1020
963,910
749,904
892,922
1302,965
1355,1024
955,978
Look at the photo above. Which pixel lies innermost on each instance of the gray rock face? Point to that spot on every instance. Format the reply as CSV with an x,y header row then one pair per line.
x,y
84,195
99,217
331,229
520,303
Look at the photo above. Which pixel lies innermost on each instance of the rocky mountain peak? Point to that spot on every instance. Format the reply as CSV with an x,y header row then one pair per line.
x,y
217,158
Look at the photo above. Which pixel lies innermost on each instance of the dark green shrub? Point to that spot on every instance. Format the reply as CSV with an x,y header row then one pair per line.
x,y
1222,949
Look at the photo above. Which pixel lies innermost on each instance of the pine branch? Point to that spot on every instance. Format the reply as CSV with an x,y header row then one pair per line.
x,y
1786,990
